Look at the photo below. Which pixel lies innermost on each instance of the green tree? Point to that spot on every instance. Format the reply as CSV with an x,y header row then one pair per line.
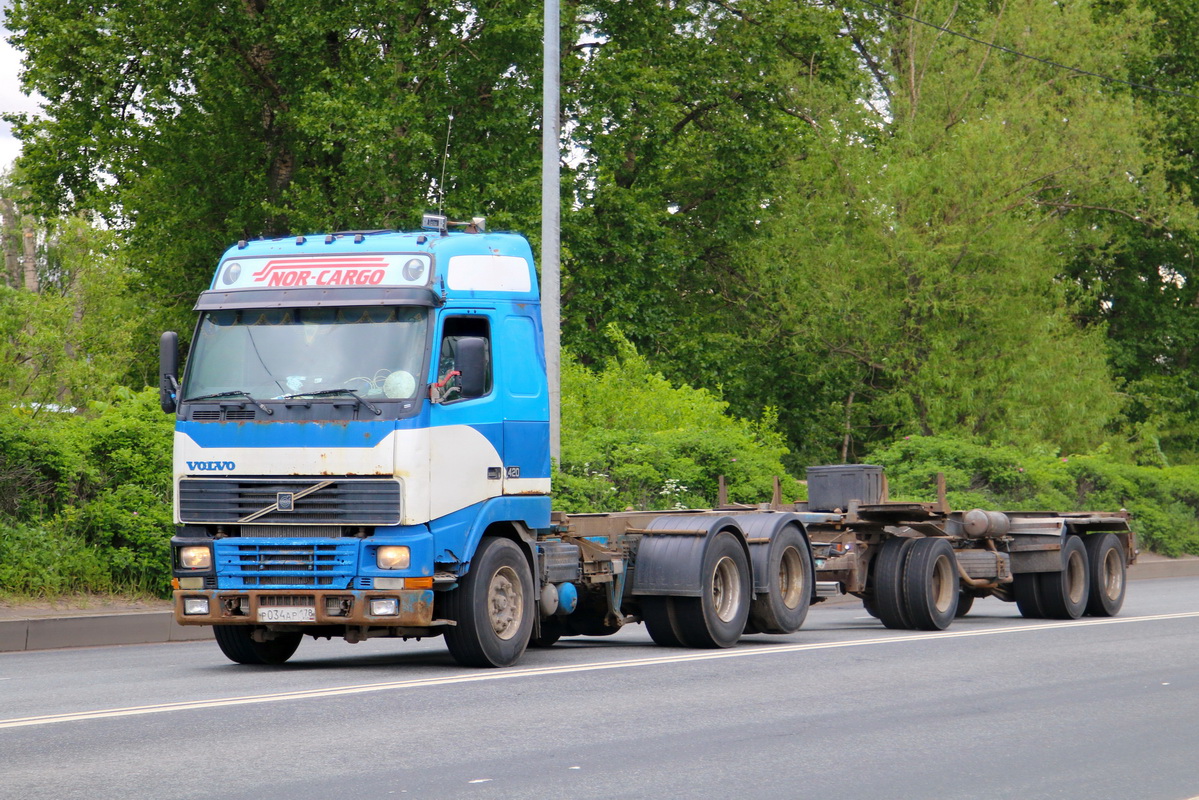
x,y
1139,281
67,316
925,262
682,115
191,125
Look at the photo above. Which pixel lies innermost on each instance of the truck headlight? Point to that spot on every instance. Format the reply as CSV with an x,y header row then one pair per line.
x,y
195,606
195,557
393,556
384,607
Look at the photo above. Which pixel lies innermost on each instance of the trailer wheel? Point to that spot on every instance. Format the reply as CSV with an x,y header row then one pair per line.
x,y
493,606
1064,594
889,599
658,614
784,606
236,643
965,602
1027,590
717,617
870,606
930,583
1105,555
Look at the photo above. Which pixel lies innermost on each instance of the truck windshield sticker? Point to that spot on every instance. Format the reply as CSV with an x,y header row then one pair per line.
x,y
400,269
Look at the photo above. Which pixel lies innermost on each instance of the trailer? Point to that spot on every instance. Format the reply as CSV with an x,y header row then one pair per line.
x,y
362,450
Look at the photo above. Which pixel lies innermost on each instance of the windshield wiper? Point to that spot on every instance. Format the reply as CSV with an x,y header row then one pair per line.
x,y
234,393
326,392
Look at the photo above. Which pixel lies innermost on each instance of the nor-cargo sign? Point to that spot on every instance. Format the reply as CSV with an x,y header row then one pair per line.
x,y
390,269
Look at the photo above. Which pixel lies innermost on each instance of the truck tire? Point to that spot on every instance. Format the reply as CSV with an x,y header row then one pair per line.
x,y
659,617
930,584
1064,594
717,617
784,606
965,603
493,606
1105,555
889,600
550,633
1026,587
238,646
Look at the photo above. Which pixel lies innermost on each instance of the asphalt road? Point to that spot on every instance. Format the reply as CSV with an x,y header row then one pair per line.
x,y
996,707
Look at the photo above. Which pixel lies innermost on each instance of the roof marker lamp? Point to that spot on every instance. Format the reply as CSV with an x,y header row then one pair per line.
x,y
393,556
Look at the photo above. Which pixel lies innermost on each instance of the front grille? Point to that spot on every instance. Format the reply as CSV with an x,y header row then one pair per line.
x,y
291,531
254,563
214,414
345,501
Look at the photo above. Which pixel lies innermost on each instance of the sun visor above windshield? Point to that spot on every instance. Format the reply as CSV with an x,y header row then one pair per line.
x,y
301,298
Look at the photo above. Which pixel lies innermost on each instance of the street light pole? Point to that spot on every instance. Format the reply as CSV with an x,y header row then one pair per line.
x,y
550,222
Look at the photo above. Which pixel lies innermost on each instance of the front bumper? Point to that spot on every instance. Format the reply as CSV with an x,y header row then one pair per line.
x,y
334,607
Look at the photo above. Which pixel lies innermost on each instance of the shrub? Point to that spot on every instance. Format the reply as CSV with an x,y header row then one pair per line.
x,y
632,440
1164,501
90,492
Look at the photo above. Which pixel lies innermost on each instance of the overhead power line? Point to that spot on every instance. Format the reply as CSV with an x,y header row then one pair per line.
x,y
1009,50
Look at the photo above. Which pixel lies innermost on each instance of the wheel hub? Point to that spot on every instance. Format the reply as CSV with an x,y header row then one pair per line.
x,y
505,602
726,589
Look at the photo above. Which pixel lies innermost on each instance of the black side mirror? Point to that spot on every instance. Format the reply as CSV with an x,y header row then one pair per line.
x,y
168,371
472,363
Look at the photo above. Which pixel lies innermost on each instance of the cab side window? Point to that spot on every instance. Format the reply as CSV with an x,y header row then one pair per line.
x,y
464,359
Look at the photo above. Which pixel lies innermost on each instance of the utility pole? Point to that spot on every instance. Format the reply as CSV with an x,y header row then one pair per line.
x,y
550,222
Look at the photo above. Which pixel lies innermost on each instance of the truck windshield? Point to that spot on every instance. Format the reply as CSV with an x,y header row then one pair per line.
x,y
376,351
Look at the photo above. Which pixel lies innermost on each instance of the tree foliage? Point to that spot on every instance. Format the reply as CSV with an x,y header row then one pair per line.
x,y
865,225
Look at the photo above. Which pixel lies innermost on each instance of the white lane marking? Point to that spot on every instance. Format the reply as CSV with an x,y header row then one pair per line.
x,y
509,674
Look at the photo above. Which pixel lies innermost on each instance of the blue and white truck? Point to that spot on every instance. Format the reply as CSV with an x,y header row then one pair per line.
x,y
362,450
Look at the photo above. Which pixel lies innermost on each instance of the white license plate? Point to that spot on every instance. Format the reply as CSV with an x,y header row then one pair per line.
x,y
287,614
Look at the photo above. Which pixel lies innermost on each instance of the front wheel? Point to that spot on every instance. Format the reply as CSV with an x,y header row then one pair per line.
x,y
493,606
238,645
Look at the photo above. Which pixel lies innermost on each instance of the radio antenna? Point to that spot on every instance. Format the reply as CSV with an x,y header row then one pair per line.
x,y
445,156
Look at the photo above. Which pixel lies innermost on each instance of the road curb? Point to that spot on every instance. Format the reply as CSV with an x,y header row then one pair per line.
x,y
96,630
157,627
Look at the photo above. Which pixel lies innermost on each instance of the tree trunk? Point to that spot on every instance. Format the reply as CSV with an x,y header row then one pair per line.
x,y
30,261
10,233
